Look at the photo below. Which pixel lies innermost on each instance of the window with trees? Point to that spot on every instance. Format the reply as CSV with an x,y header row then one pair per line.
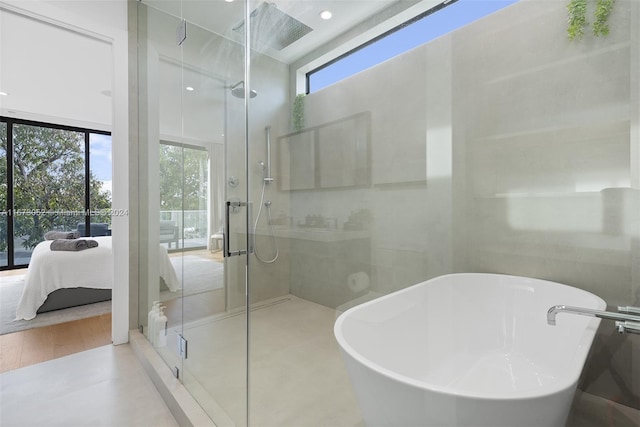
x,y
51,178
184,183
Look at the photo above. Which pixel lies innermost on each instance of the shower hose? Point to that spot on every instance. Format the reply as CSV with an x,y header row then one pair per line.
x,y
271,231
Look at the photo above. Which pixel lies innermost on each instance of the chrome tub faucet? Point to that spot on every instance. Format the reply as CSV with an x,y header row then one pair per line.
x,y
627,319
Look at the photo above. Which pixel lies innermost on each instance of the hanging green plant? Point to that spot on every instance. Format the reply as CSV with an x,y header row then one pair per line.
x,y
298,112
577,19
603,10
577,11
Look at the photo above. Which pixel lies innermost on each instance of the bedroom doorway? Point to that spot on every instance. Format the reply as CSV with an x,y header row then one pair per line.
x,y
77,104
53,178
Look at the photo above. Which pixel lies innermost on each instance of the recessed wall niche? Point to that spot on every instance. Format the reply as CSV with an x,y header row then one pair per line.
x,y
331,155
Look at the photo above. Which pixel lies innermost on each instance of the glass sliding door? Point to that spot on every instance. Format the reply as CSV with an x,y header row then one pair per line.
x,y
49,191
171,164
54,178
100,179
183,195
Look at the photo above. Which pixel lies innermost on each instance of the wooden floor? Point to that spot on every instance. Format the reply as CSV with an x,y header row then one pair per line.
x,y
215,255
24,348
16,272
36,345
31,346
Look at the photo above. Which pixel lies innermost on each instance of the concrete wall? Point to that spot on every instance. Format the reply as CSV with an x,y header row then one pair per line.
x,y
503,147
410,196
543,132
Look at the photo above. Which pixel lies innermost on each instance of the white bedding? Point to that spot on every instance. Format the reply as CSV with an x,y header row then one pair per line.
x,y
166,270
91,268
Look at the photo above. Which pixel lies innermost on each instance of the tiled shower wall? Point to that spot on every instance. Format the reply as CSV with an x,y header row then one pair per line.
x,y
543,129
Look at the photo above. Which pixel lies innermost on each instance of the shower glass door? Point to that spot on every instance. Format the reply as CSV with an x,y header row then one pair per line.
x,y
192,161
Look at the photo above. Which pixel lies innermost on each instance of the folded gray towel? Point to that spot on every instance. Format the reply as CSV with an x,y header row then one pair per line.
x,y
72,244
53,235
69,245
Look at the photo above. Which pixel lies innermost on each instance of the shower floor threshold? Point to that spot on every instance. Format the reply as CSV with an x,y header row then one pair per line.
x,y
183,406
237,312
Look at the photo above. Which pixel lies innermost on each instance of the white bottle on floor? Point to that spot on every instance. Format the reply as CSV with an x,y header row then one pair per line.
x,y
151,322
161,328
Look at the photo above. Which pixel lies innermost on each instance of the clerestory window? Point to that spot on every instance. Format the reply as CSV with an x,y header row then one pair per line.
x,y
435,22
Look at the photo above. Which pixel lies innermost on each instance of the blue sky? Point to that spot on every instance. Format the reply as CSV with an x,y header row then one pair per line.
x,y
444,21
100,158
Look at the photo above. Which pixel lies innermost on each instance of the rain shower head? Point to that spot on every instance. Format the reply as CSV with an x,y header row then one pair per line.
x,y
237,90
273,28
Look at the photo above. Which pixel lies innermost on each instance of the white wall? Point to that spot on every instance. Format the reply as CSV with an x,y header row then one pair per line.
x,y
53,74
93,28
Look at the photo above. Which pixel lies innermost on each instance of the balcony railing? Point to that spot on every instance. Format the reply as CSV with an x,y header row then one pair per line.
x,y
192,227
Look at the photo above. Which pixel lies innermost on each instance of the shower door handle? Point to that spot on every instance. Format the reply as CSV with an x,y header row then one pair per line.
x,y
227,252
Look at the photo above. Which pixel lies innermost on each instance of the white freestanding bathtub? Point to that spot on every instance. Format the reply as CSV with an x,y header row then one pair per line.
x,y
467,350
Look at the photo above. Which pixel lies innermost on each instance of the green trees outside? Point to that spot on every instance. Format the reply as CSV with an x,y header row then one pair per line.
x,y
183,178
183,188
49,183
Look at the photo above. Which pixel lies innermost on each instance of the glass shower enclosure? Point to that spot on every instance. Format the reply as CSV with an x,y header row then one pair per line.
x,y
266,211
192,300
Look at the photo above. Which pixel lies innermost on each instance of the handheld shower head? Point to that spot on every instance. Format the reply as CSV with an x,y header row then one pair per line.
x,y
266,177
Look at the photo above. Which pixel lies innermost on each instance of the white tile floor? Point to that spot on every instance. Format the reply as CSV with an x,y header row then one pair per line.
x,y
298,379
105,386
297,375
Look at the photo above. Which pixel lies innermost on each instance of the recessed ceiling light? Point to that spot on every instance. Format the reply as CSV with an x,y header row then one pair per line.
x,y
229,1
3,93
325,14
189,88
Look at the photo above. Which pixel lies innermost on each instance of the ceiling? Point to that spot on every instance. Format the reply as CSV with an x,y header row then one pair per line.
x,y
221,17
54,74
47,79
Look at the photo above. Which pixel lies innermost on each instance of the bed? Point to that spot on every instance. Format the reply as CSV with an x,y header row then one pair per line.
x,y
63,279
